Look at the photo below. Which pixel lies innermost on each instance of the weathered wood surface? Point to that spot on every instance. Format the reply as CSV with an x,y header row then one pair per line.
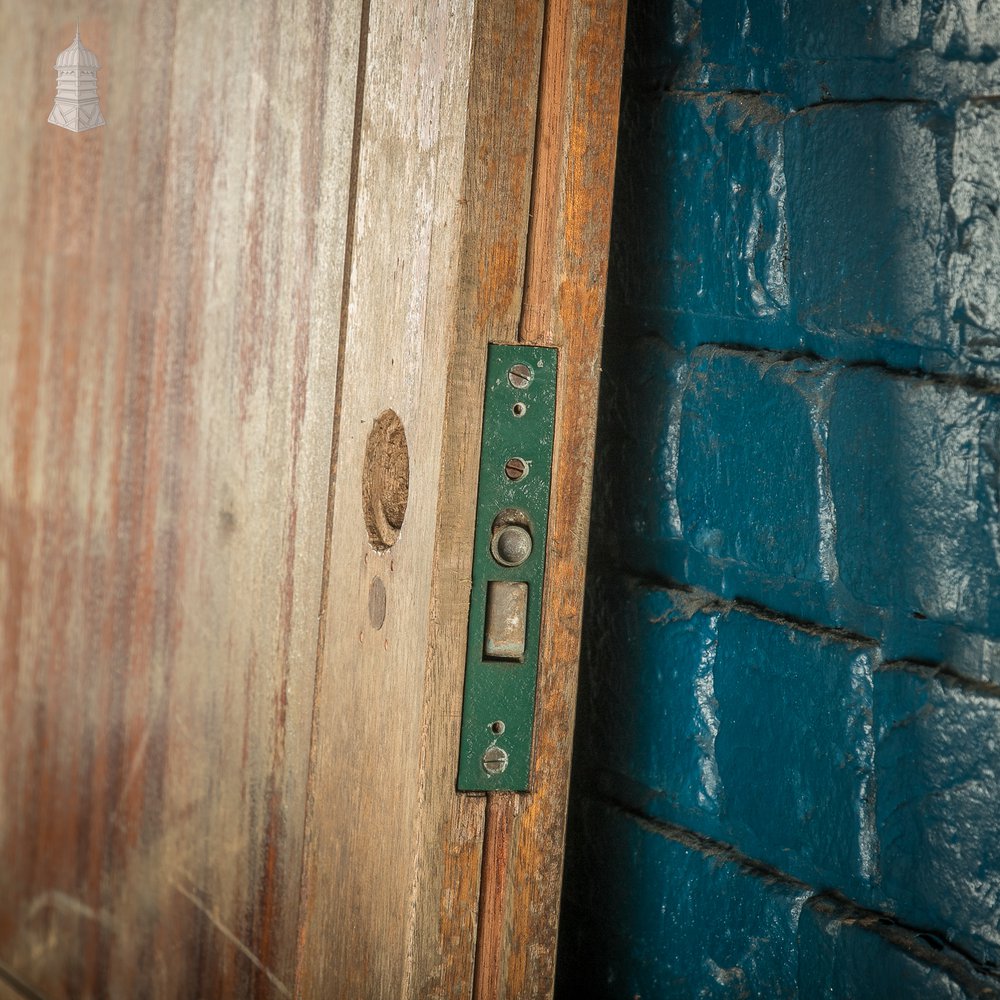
x,y
437,268
563,306
170,287
496,197
363,933
11,988
181,345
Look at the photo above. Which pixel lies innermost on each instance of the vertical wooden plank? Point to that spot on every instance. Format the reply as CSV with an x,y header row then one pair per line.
x,y
167,372
491,941
365,779
394,915
564,289
496,197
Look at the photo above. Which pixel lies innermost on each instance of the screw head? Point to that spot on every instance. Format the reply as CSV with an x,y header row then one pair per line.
x,y
515,469
495,760
519,376
511,545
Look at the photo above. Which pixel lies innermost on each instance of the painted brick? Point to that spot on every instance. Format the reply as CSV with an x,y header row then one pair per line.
x,y
864,208
937,779
747,425
843,209
800,705
726,488
973,263
723,252
859,957
915,474
821,51
861,231
652,917
770,738
742,729
970,654
853,497
650,912
648,714
635,466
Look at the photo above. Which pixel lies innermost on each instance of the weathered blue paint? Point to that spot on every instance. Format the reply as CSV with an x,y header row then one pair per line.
x,y
745,932
854,497
915,480
788,736
937,775
739,936
802,749
682,734
847,955
857,228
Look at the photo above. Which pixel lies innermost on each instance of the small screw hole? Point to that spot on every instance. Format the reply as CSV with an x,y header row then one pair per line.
x,y
519,409
498,727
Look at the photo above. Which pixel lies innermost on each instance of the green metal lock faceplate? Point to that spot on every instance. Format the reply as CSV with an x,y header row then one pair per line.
x,y
501,665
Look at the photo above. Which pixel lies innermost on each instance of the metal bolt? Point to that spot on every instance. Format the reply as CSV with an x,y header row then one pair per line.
x,y
515,469
511,545
495,760
519,376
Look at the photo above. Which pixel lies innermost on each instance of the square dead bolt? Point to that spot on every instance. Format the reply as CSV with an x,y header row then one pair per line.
x,y
508,568
506,620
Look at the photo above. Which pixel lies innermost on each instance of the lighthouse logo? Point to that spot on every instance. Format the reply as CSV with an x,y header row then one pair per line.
x,y
76,106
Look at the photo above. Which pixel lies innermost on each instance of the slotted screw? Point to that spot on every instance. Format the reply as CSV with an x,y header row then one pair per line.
x,y
495,760
519,376
515,469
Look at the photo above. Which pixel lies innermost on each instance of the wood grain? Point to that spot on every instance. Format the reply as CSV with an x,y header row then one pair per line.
x,y
395,915
167,371
365,788
491,940
202,722
14,988
496,195
563,306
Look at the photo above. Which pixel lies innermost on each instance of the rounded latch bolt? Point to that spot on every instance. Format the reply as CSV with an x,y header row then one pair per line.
x,y
495,760
511,545
519,376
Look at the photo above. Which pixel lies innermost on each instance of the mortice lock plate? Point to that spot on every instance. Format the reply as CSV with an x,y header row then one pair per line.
x,y
508,565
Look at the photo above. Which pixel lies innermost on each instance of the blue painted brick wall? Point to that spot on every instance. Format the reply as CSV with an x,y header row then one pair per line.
x,y
787,764
937,760
711,691
747,925
851,495
745,932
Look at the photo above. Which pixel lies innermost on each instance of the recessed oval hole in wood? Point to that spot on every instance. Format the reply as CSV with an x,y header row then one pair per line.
x,y
376,603
385,480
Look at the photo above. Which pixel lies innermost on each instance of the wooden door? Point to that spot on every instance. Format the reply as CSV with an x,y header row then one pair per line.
x,y
229,707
